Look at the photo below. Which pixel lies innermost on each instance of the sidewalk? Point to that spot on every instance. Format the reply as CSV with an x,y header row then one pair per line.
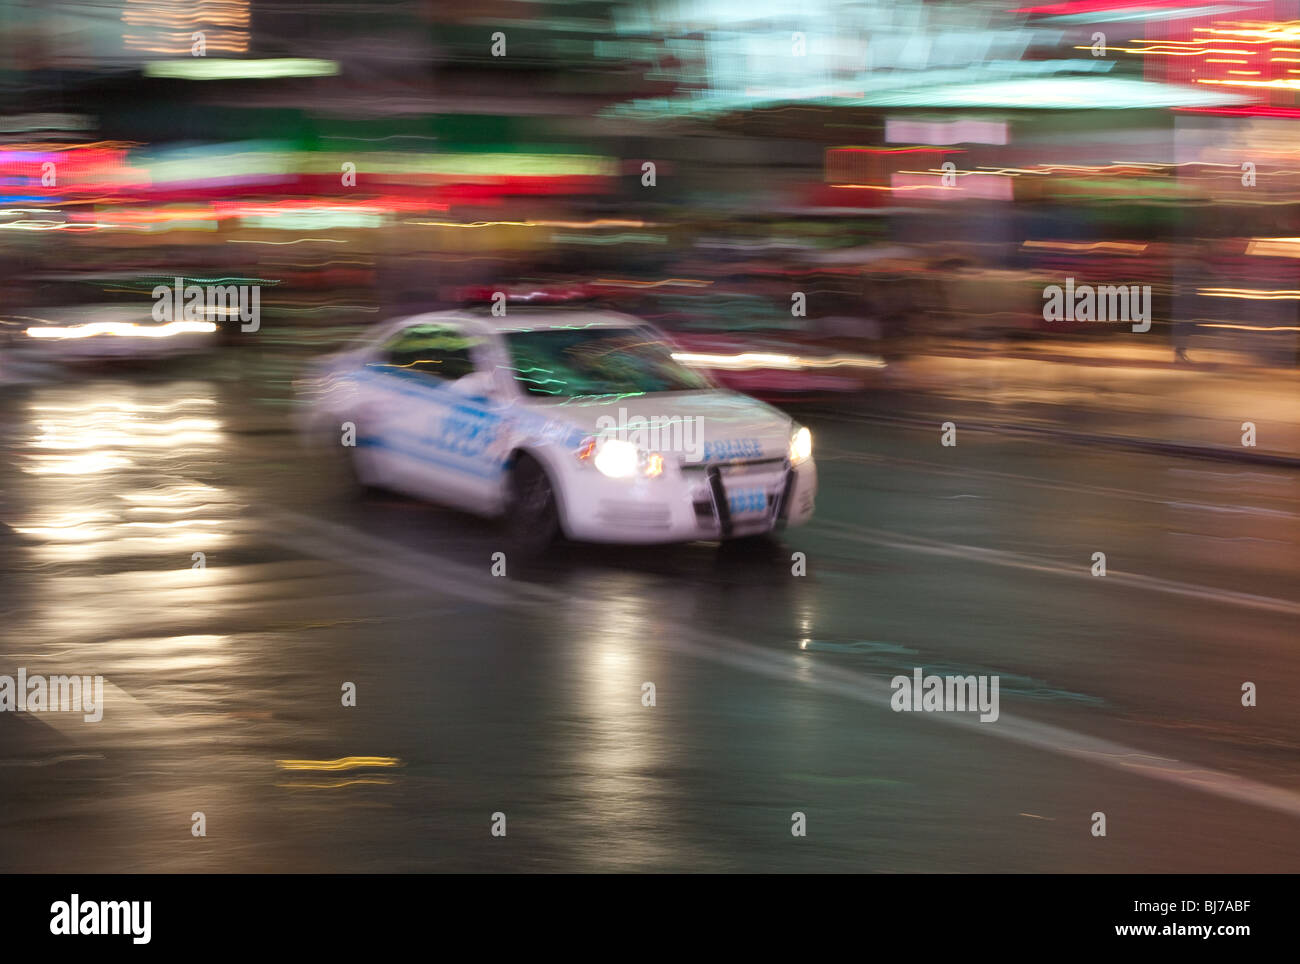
x,y
1136,397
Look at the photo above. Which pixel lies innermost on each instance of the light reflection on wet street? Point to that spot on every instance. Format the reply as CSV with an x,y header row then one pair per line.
x,y
523,695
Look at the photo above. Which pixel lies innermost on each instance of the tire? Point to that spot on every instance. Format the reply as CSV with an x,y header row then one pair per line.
x,y
759,546
532,514
354,485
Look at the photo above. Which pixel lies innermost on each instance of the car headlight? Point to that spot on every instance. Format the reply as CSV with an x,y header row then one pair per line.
x,y
800,445
620,459
616,458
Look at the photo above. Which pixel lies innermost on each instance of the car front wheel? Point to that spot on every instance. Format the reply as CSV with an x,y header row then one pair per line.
x,y
532,515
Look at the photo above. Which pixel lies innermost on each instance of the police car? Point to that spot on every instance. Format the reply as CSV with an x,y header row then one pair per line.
x,y
561,421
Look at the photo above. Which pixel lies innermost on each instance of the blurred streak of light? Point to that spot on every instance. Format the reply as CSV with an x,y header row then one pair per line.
x,y
1223,324
747,361
938,171
386,137
182,43
1268,31
308,220
204,68
175,493
171,25
54,147
904,187
83,227
558,238
108,428
920,131
667,282
462,259
367,308
532,296
282,243
1274,247
323,264
342,763
46,226
1251,294
339,784
980,185
163,645
222,211
1124,247
1101,8
122,329
257,161
83,532
381,205
69,520
1243,111
163,216
194,430
1278,84
1115,168
181,659
898,150
173,525
77,465
165,510
597,223
127,407
179,544
1167,53
226,13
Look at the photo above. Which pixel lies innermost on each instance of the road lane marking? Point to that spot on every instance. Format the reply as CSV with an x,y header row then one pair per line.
x,y
342,544
374,554
851,532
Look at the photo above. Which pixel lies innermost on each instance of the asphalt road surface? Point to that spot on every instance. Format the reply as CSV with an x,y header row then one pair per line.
x,y
522,695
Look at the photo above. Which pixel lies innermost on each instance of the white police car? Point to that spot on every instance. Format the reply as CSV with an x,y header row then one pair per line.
x,y
579,422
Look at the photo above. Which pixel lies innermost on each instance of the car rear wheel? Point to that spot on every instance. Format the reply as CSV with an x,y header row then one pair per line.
x,y
354,482
532,515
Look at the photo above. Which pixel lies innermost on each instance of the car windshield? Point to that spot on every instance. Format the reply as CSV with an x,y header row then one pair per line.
x,y
597,361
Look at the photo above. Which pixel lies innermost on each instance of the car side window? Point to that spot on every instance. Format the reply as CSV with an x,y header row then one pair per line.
x,y
436,351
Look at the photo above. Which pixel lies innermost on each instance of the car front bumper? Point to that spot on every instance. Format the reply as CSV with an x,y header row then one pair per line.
x,y
700,502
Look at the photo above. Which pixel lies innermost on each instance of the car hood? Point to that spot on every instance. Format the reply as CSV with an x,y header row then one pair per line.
x,y
701,426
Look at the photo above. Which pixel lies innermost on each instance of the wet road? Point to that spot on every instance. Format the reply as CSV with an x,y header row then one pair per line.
x,y
522,695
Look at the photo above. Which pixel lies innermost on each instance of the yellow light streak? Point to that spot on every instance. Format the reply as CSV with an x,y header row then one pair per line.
x,y
342,763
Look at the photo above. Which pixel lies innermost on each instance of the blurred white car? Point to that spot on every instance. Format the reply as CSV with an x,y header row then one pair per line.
x,y
577,422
